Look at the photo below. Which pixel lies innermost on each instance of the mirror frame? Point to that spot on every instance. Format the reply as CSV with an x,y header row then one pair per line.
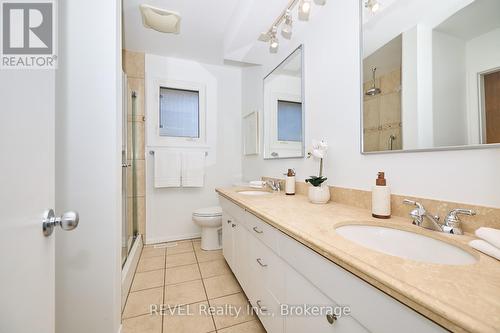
x,y
302,91
361,105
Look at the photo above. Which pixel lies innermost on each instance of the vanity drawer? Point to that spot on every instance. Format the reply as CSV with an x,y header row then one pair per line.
x,y
263,231
266,268
232,209
269,311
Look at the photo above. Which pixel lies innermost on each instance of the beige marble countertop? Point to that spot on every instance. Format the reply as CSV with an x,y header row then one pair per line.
x,y
463,298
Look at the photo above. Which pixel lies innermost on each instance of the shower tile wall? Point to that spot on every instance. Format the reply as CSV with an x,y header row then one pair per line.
x,y
133,66
382,113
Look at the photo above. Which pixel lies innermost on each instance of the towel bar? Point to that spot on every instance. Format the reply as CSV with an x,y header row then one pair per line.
x,y
152,152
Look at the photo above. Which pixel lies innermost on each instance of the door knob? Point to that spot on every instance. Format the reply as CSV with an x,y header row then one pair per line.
x,y
67,221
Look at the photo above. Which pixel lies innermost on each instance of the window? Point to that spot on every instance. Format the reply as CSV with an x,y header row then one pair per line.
x,y
179,113
289,121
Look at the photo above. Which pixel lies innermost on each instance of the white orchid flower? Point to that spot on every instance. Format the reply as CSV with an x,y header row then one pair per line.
x,y
319,148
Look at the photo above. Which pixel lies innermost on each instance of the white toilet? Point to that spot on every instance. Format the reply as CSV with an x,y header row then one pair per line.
x,y
210,221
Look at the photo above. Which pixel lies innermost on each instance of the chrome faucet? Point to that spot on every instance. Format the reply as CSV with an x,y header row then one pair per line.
x,y
451,225
274,185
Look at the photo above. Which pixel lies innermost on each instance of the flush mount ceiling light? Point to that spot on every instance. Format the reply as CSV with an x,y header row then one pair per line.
x,y
372,5
160,19
304,10
286,30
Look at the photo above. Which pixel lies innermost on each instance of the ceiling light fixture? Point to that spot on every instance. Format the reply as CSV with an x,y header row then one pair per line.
x,y
372,5
286,18
320,2
286,30
304,10
273,42
161,20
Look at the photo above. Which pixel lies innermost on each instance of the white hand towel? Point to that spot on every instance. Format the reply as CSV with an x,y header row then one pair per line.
x,y
490,235
167,169
486,248
193,169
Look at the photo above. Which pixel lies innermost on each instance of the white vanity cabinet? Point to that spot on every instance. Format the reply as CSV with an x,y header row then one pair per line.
x,y
277,272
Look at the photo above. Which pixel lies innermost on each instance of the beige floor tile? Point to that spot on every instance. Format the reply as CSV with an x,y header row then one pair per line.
x,y
185,293
221,285
181,259
214,268
139,302
198,321
151,264
142,324
253,326
182,274
149,252
197,245
237,302
147,280
204,256
181,247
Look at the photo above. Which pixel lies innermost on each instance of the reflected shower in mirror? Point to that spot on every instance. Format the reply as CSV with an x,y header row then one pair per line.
x,y
284,109
431,75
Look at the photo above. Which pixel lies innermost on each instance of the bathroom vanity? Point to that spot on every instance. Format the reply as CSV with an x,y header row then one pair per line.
x,y
286,254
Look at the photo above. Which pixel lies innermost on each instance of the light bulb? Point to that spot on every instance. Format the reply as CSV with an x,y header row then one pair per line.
x,y
286,30
274,45
375,7
304,10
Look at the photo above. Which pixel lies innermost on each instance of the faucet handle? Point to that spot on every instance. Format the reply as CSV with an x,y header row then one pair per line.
x,y
417,204
452,216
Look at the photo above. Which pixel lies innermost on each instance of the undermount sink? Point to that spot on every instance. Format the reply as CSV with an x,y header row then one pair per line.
x,y
253,193
406,244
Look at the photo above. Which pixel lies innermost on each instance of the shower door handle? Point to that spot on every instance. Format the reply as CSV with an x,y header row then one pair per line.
x,y
67,221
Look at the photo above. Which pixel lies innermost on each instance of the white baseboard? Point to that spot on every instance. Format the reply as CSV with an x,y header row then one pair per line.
x,y
157,240
129,268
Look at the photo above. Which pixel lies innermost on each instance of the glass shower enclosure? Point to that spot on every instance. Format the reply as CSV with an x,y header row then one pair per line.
x,y
129,172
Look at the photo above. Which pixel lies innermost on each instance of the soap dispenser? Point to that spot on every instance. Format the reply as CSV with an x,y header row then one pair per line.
x,y
381,198
290,182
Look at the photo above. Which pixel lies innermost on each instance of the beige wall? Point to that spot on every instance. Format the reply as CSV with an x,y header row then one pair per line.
x,y
382,113
133,66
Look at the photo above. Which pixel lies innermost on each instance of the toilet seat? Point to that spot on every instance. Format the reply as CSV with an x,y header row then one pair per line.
x,y
214,211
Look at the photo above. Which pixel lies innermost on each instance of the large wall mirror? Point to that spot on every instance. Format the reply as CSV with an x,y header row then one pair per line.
x,y
431,75
284,109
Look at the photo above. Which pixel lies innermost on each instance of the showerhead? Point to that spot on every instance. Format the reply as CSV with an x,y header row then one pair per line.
x,y
373,90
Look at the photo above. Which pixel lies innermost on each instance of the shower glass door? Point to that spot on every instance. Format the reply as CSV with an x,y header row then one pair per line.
x,y
129,176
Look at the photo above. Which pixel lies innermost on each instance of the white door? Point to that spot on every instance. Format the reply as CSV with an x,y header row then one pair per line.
x,y
26,190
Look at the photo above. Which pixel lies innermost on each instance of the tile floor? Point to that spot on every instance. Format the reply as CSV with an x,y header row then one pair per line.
x,y
186,279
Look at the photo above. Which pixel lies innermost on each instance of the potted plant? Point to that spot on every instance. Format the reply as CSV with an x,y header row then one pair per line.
x,y
319,191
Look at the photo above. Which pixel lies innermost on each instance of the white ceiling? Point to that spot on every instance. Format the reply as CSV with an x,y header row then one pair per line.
x,y
203,27
211,31
476,19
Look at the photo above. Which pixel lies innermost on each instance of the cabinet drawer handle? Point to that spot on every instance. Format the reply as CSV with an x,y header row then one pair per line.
x,y
331,318
259,260
261,308
257,230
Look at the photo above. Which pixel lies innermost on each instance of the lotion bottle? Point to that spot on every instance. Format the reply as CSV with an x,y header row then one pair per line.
x,y
290,182
381,198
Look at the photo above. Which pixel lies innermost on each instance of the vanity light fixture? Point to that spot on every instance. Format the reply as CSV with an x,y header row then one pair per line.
x,y
304,10
372,5
286,30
